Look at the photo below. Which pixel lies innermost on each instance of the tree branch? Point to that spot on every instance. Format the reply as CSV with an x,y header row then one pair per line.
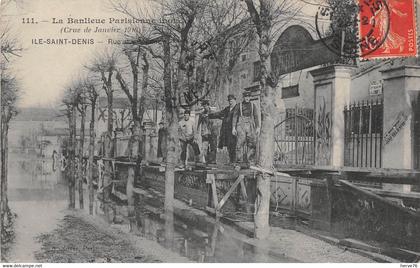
x,y
254,15
124,86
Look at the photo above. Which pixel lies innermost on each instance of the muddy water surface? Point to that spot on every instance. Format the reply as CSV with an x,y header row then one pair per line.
x,y
38,195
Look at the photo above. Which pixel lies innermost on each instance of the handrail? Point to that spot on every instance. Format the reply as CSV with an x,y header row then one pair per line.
x,y
377,197
384,175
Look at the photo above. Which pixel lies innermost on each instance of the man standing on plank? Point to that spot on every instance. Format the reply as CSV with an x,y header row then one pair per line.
x,y
227,139
187,135
208,136
246,127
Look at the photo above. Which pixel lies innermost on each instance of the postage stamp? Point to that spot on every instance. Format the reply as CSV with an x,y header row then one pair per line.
x,y
368,29
350,29
396,22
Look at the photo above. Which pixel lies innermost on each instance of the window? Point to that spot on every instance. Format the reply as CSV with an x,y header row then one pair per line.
x,y
290,92
366,119
257,70
243,57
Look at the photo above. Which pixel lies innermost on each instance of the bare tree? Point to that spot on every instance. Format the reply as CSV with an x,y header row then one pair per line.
x,y
184,13
9,48
225,32
70,100
136,57
105,66
194,39
264,14
92,96
82,108
8,111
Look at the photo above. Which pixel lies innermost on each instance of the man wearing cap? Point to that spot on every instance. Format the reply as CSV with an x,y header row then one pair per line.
x,y
186,136
226,137
208,135
246,126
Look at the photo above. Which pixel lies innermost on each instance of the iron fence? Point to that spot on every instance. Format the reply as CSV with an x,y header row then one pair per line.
x,y
294,138
363,134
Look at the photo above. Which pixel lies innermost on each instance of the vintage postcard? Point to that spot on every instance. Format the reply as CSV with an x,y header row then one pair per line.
x,y
254,131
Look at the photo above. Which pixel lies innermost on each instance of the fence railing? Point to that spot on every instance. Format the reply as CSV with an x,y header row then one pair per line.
x,y
363,136
294,137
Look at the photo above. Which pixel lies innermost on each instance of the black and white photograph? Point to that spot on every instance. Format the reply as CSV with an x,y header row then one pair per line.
x,y
209,131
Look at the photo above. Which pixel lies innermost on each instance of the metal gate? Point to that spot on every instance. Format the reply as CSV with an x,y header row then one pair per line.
x,y
363,134
294,137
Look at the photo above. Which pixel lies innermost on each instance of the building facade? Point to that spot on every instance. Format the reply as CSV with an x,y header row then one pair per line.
x,y
363,115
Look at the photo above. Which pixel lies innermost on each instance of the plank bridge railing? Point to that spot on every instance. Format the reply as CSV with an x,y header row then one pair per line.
x,y
343,200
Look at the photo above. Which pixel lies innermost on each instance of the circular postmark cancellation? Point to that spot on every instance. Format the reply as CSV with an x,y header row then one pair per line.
x,y
353,29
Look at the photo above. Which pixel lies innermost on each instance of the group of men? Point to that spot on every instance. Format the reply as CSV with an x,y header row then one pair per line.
x,y
241,124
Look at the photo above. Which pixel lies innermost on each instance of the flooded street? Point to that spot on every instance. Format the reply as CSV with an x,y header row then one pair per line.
x,y
199,237
46,231
38,196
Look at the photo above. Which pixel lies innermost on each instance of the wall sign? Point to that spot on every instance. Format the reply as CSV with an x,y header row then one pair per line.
x,y
396,127
375,88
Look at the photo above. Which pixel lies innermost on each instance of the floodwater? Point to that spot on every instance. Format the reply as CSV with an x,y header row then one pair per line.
x,y
197,236
38,195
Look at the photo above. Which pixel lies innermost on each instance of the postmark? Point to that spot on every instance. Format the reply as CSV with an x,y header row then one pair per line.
x,y
353,29
401,38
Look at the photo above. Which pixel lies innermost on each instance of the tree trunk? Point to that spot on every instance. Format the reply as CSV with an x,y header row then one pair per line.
x,y
171,121
110,100
81,151
71,157
108,150
4,201
266,139
2,193
68,162
169,229
91,155
5,168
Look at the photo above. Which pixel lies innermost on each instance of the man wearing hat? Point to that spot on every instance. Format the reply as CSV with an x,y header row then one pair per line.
x,y
226,137
246,126
186,136
208,135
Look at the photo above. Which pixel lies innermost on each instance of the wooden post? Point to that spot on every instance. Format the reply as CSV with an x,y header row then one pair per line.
x,y
294,195
212,180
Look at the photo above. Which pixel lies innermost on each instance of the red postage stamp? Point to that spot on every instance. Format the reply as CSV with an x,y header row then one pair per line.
x,y
394,26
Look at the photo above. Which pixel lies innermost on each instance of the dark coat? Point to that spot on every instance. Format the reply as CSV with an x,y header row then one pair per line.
x,y
226,138
162,142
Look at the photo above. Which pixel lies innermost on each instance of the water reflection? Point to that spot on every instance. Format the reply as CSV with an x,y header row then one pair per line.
x,y
33,178
195,237
38,195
